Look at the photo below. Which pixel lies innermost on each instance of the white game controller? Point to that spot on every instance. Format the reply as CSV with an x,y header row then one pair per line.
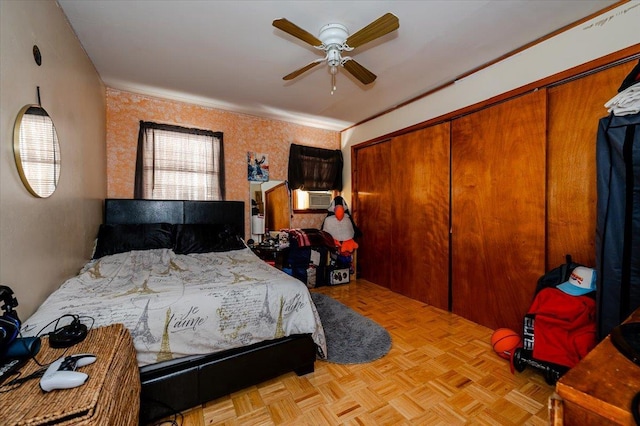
x,y
61,373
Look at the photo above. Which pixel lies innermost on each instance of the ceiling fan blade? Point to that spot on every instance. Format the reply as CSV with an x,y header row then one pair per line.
x,y
358,71
381,26
306,68
296,31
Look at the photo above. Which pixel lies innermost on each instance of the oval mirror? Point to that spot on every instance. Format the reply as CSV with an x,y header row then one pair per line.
x,y
36,150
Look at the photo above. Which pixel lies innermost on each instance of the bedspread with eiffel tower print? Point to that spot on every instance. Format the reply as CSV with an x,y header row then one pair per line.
x,y
178,305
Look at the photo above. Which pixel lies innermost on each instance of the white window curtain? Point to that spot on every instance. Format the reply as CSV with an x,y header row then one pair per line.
x,y
176,163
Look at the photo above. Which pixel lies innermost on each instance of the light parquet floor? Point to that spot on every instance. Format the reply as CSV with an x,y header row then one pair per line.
x,y
441,370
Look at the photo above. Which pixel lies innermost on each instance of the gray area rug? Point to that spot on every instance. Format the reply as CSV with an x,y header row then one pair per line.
x,y
351,337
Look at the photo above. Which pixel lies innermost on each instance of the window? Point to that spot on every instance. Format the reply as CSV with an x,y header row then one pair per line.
x,y
177,163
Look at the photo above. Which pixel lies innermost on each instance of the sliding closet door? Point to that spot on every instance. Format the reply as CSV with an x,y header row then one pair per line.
x,y
420,212
498,210
574,111
373,198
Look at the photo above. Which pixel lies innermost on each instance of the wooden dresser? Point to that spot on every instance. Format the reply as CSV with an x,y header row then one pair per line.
x,y
599,390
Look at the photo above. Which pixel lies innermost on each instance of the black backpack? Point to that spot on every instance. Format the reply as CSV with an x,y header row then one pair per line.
x,y
557,275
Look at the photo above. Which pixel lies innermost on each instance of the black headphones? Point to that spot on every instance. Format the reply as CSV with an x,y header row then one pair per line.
x,y
9,321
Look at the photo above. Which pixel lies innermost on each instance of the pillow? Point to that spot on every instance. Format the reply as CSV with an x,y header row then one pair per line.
x,y
119,238
205,238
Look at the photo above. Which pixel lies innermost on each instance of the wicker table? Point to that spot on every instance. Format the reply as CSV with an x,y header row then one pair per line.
x,y
111,395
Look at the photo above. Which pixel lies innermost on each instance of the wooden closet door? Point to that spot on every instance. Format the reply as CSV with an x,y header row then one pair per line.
x,y
574,111
420,215
372,213
498,210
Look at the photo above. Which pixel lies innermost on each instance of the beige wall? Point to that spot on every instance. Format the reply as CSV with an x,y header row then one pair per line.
x,y
610,32
242,133
45,241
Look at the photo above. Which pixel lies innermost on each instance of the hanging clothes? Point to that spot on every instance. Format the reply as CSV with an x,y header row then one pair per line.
x,y
626,102
618,220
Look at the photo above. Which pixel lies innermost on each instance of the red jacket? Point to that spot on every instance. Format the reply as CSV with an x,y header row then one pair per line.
x,y
564,327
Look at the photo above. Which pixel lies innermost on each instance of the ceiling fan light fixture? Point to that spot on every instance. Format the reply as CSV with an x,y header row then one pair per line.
x,y
335,39
333,34
333,57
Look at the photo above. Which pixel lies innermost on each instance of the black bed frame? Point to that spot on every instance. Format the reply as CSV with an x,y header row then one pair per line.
x,y
177,385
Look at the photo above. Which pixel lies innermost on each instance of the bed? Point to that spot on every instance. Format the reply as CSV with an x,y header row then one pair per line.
x,y
207,316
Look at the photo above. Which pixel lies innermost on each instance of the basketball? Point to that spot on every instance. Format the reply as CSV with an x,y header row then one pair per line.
x,y
504,340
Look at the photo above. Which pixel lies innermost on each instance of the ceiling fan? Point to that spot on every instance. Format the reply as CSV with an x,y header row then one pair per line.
x,y
335,39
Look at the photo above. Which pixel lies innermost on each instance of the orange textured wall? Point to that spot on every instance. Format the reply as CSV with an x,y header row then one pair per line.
x,y
242,133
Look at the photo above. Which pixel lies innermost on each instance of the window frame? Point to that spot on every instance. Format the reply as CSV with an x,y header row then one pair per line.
x,y
204,174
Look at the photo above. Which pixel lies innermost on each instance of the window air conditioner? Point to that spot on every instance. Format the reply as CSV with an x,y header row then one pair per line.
x,y
319,200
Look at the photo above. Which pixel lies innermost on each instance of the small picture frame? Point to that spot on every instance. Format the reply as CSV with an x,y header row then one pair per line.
x,y
258,167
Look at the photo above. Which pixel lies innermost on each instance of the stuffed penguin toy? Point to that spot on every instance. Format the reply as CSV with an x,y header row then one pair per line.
x,y
340,226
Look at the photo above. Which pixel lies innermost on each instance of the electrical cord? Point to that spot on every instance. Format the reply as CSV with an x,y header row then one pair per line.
x,y
172,422
176,414
76,319
18,381
46,364
40,334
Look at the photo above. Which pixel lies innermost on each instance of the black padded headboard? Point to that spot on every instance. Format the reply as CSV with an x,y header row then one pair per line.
x,y
123,211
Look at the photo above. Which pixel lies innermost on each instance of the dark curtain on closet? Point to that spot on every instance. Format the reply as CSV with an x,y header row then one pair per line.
x,y
315,169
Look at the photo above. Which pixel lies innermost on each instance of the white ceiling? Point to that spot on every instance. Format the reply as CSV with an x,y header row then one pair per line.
x,y
227,54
